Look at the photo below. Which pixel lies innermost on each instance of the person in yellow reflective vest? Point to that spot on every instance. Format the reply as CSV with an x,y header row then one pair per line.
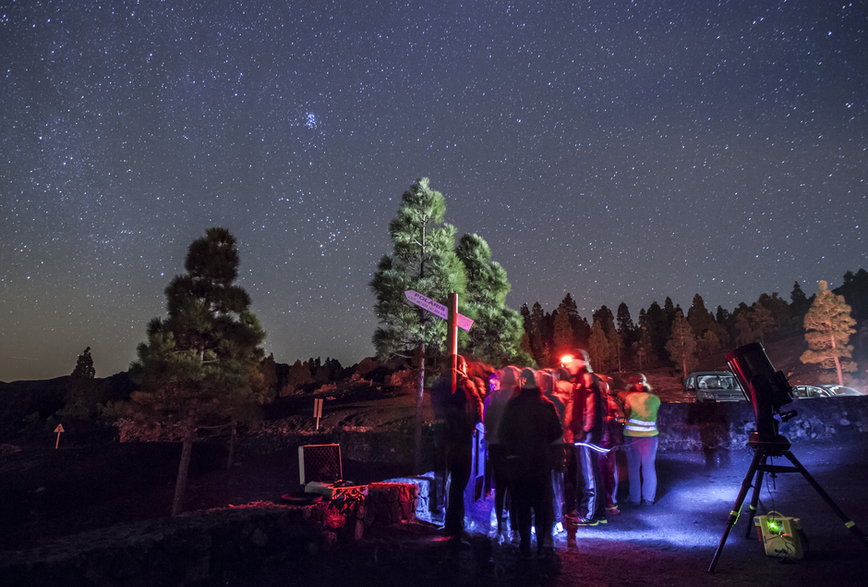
x,y
641,438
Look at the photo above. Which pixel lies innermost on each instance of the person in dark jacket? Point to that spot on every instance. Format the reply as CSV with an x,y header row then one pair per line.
x,y
505,386
460,411
587,424
530,424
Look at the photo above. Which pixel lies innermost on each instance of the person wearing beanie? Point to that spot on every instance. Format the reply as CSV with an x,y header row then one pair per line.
x,y
641,439
586,422
530,424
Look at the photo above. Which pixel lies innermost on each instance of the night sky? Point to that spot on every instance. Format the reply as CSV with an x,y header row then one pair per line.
x,y
616,150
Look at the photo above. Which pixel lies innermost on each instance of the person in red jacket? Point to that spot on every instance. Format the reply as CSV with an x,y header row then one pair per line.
x,y
586,423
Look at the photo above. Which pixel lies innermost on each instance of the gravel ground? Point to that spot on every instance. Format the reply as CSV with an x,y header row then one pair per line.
x,y
50,493
669,543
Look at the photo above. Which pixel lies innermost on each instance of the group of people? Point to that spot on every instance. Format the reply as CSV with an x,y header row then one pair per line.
x,y
552,440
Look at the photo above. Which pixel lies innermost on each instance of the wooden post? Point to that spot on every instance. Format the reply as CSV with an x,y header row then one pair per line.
x,y
59,430
452,336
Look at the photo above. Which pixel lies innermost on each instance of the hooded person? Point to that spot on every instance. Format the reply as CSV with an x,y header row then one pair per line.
x,y
503,385
550,385
460,410
530,425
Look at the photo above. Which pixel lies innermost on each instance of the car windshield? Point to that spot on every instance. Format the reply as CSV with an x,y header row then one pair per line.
x,y
716,382
841,390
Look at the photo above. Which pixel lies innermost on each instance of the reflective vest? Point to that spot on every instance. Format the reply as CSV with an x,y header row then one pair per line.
x,y
642,409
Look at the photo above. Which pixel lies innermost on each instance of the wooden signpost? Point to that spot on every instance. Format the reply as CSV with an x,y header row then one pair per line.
x,y
59,430
317,410
438,309
454,321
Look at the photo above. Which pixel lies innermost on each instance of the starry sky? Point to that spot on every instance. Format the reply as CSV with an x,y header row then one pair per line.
x,y
617,150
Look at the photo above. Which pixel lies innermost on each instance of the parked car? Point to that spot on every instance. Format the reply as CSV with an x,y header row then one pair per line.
x,y
810,391
714,386
841,390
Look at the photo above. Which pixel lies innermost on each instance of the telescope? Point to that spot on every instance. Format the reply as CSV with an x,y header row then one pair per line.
x,y
765,388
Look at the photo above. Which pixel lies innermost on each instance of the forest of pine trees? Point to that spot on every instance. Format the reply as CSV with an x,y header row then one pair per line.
x,y
667,336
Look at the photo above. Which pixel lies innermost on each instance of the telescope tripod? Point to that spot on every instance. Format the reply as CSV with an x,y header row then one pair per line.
x,y
762,450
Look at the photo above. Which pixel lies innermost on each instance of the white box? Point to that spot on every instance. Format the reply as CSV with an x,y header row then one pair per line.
x,y
781,536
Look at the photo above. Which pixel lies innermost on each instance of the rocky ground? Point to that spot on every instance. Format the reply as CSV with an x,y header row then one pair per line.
x,y
50,493
669,543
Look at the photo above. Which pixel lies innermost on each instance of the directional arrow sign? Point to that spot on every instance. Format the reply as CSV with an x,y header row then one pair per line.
x,y
436,308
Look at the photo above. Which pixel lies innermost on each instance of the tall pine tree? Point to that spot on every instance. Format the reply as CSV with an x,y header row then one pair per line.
x,y
699,317
627,329
497,331
828,327
600,345
423,260
565,322
682,344
199,369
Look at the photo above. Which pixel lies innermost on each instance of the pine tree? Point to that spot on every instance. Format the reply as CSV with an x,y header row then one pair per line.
x,y
723,317
199,369
763,320
84,366
658,327
496,334
582,332
599,347
799,303
564,337
745,329
682,344
626,326
828,327
644,354
606,319
699,317
423,260
536,335
82,396
855,292
778,312
566,326
627,335
604,316
298,375
708,344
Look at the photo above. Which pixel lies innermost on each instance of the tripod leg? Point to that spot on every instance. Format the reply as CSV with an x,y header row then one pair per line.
x,y
736,509
848,523
754,500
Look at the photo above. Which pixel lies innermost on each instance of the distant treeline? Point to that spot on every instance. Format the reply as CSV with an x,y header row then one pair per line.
x,y
659,336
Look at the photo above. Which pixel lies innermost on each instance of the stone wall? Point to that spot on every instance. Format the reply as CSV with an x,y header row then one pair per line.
x,y
209,547
703,426
683,426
